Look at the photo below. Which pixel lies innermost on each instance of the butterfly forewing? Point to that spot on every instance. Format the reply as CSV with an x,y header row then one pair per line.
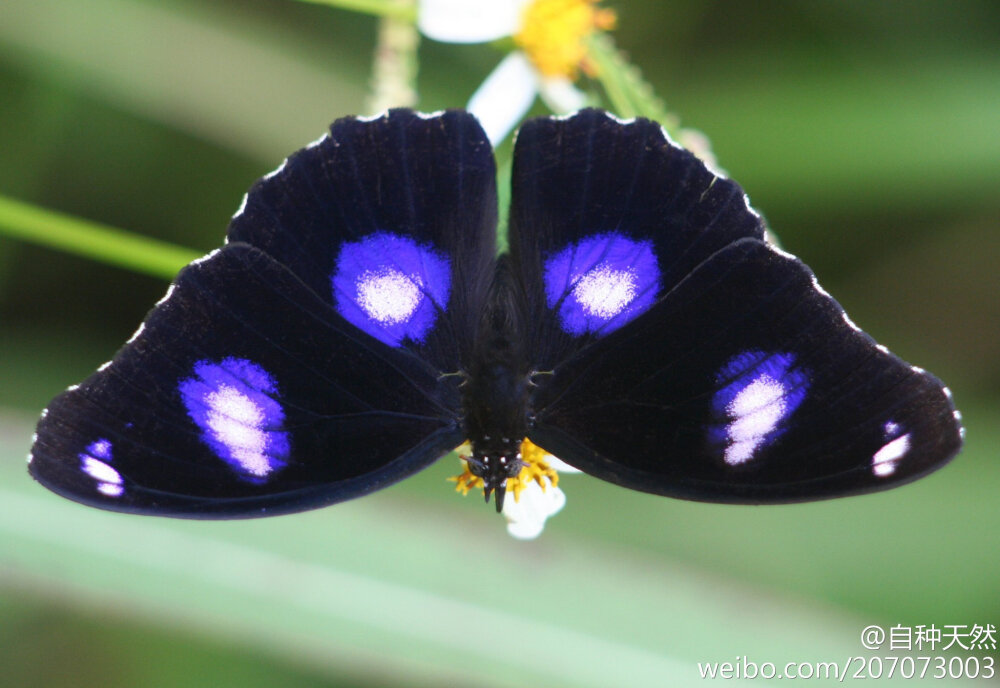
x,y
605,219
694,359
392,221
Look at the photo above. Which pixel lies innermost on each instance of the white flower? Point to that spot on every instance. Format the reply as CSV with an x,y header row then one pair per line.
x,y
532,495
526,515
550,37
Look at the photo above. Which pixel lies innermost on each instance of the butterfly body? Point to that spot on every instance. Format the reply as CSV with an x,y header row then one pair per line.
x,y
359,324
497,390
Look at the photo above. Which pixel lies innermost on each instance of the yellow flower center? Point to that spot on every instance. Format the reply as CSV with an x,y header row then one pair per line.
x,y
553,34
536,469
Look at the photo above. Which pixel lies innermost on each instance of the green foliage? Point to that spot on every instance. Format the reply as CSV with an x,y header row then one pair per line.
x,y
92,240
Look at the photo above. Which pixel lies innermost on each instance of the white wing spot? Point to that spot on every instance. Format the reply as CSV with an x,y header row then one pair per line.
x,y
110,489
886,459
756,411
605,292
98,470
388,295
236,421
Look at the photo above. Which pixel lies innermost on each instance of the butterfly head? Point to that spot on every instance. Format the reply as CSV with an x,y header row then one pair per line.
x,y
496,468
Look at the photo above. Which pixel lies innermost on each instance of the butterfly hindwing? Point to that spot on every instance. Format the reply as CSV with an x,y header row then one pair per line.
x,y
243,402
302,364
736,379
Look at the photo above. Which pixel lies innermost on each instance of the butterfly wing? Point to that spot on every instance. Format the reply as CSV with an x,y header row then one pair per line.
x,y
301,364
381,212
590,193
693,359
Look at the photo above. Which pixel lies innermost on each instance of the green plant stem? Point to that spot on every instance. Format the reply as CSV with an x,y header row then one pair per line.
x,y
92,240
394,68
607,71
505,165
630,95
379,8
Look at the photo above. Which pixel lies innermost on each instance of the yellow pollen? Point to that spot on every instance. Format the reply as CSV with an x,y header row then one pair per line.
x,y
553,34
536,469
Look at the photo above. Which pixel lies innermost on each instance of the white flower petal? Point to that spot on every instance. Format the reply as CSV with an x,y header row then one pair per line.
x,y
559,465
561,96
468,21
526,516
505,97
525,530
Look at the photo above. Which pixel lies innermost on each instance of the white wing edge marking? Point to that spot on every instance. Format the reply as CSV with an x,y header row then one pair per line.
x,y
167,295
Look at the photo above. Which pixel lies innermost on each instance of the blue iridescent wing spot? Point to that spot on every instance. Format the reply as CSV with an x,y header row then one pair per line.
x,y
757,393
897,445
390,287
96,462
233,402
600,283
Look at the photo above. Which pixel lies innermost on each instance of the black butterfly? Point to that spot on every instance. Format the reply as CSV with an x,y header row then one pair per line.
x,y
359,324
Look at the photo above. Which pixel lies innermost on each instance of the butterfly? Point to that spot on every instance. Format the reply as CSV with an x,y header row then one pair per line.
x,y
359,323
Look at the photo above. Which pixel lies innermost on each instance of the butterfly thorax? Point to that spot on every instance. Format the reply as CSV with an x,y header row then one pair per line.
x,y
496,393
495,400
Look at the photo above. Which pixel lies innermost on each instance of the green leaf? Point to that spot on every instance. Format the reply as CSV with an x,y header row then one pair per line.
x,y
405,11
92,240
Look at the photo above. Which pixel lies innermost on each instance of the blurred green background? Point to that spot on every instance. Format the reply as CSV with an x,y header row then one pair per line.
x,y
867,132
